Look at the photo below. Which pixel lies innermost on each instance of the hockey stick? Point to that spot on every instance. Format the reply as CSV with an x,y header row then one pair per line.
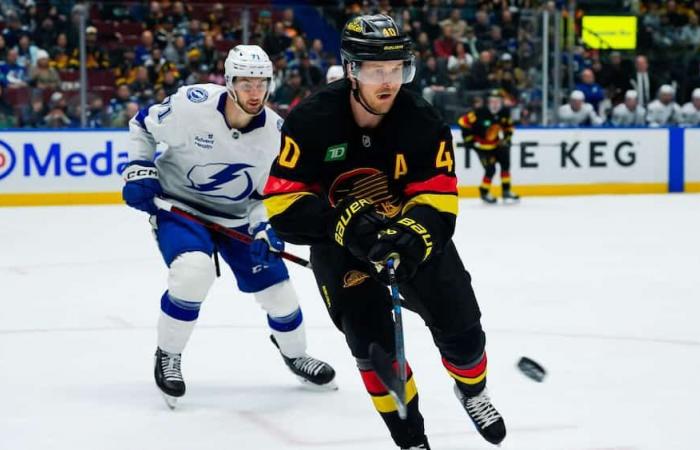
x,y
218,228
380,359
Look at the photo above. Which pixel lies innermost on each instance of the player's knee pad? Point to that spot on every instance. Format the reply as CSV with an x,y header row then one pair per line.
x,y
463,347
190,277
278,300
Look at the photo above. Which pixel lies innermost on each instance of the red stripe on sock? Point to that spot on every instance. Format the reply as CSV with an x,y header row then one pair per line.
x,y
471,372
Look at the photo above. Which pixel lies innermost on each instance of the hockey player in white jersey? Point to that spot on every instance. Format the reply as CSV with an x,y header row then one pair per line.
x,y
690,113
577,112
664,111
221,144
629,113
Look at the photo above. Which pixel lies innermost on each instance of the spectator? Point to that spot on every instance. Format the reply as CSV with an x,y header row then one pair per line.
x,y
43,76
577,112
32,114
690,113
664,110
290,90
614,77
14,74
458,64
690,34
432,79
194,36
311,76
97,117
495,40
57,116
178,16
279,75
592,91
122,97
176,51
7,115
208,52
445,46
3,49
125,72
12,30
431,26
422,45
334,73
198,75
142,88
60,54
122,119
482,73
508,26
676,18
144,49
471,43
642,81
482,27
456,22
96,58
216,76
630,112
277,41
316,54
291,26
295,50
45,36
26,51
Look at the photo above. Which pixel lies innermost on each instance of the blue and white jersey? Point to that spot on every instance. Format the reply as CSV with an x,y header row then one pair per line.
x,y
208,167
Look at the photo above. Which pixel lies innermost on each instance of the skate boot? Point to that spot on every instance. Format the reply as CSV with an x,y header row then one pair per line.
x,y
169,377
422,446
510,196
312,372
487,420
486,196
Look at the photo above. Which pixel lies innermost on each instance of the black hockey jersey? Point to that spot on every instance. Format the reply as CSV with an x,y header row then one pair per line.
x,y
484,130
405,166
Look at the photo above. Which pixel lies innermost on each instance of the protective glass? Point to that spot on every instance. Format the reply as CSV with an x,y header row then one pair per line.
x,y
248,86
384,72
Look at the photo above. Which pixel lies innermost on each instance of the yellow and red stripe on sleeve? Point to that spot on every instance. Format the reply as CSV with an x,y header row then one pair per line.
x,y
383,402
438,192
471,376
281,193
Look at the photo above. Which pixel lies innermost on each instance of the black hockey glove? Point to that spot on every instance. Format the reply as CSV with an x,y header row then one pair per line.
x,y
355,225
408,242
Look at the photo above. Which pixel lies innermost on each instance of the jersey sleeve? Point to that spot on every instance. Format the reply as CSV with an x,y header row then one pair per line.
x,y
466,124
153,124
430,193
296,209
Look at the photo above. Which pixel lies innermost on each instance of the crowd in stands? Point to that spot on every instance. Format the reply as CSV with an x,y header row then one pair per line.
x,y
138,53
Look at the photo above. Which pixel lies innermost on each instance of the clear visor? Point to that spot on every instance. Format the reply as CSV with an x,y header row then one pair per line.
x,y
384,72
248,86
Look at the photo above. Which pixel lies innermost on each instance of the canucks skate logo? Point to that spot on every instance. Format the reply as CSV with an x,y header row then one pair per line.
x,y
7,159
197,94
220,180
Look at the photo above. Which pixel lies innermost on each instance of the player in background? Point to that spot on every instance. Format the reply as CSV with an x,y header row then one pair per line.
x,y
221,142
488,130
630,112
664,111
690,112
366,173
577,112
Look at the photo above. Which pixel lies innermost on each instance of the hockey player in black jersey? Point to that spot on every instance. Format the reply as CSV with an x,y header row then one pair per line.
x,y
488,131
365,173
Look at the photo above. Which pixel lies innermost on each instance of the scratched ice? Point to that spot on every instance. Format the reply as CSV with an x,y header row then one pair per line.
x,y
603,291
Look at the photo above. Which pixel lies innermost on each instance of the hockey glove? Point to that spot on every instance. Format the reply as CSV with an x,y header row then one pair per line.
x,y
265,248
141,186
408,242
355,225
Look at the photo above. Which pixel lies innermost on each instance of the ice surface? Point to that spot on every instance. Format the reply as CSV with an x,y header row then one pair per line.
x,y
603,291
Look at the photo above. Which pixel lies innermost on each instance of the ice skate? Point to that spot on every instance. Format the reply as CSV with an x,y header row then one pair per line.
x,y
510,197
312,372
169,377
486,418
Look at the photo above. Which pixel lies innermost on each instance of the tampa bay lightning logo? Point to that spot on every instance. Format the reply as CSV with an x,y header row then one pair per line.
x,y
7,159
197,94
221,180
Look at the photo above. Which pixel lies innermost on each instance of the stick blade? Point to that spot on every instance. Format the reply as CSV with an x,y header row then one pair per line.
x,y
383,365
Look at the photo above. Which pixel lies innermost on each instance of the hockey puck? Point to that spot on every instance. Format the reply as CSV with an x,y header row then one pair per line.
x,y
531,369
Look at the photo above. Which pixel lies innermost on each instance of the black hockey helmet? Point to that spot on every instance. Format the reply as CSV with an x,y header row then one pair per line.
x,y
376,38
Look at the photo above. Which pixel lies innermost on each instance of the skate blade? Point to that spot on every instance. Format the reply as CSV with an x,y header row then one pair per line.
x,y
511,201
169,400
330,386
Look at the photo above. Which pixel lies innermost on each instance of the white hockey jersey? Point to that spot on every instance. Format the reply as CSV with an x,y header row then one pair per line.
x,y
623,117
659,114
690,116
208,167
586,116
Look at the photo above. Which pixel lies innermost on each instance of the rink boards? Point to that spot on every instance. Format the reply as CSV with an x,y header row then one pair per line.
x,y
49,167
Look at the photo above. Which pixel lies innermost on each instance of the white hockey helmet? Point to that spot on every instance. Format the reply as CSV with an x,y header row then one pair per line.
x,y
247,61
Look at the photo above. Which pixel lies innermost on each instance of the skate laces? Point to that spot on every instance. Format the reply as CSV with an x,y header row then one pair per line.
x,y
481,410
170,364
308,365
